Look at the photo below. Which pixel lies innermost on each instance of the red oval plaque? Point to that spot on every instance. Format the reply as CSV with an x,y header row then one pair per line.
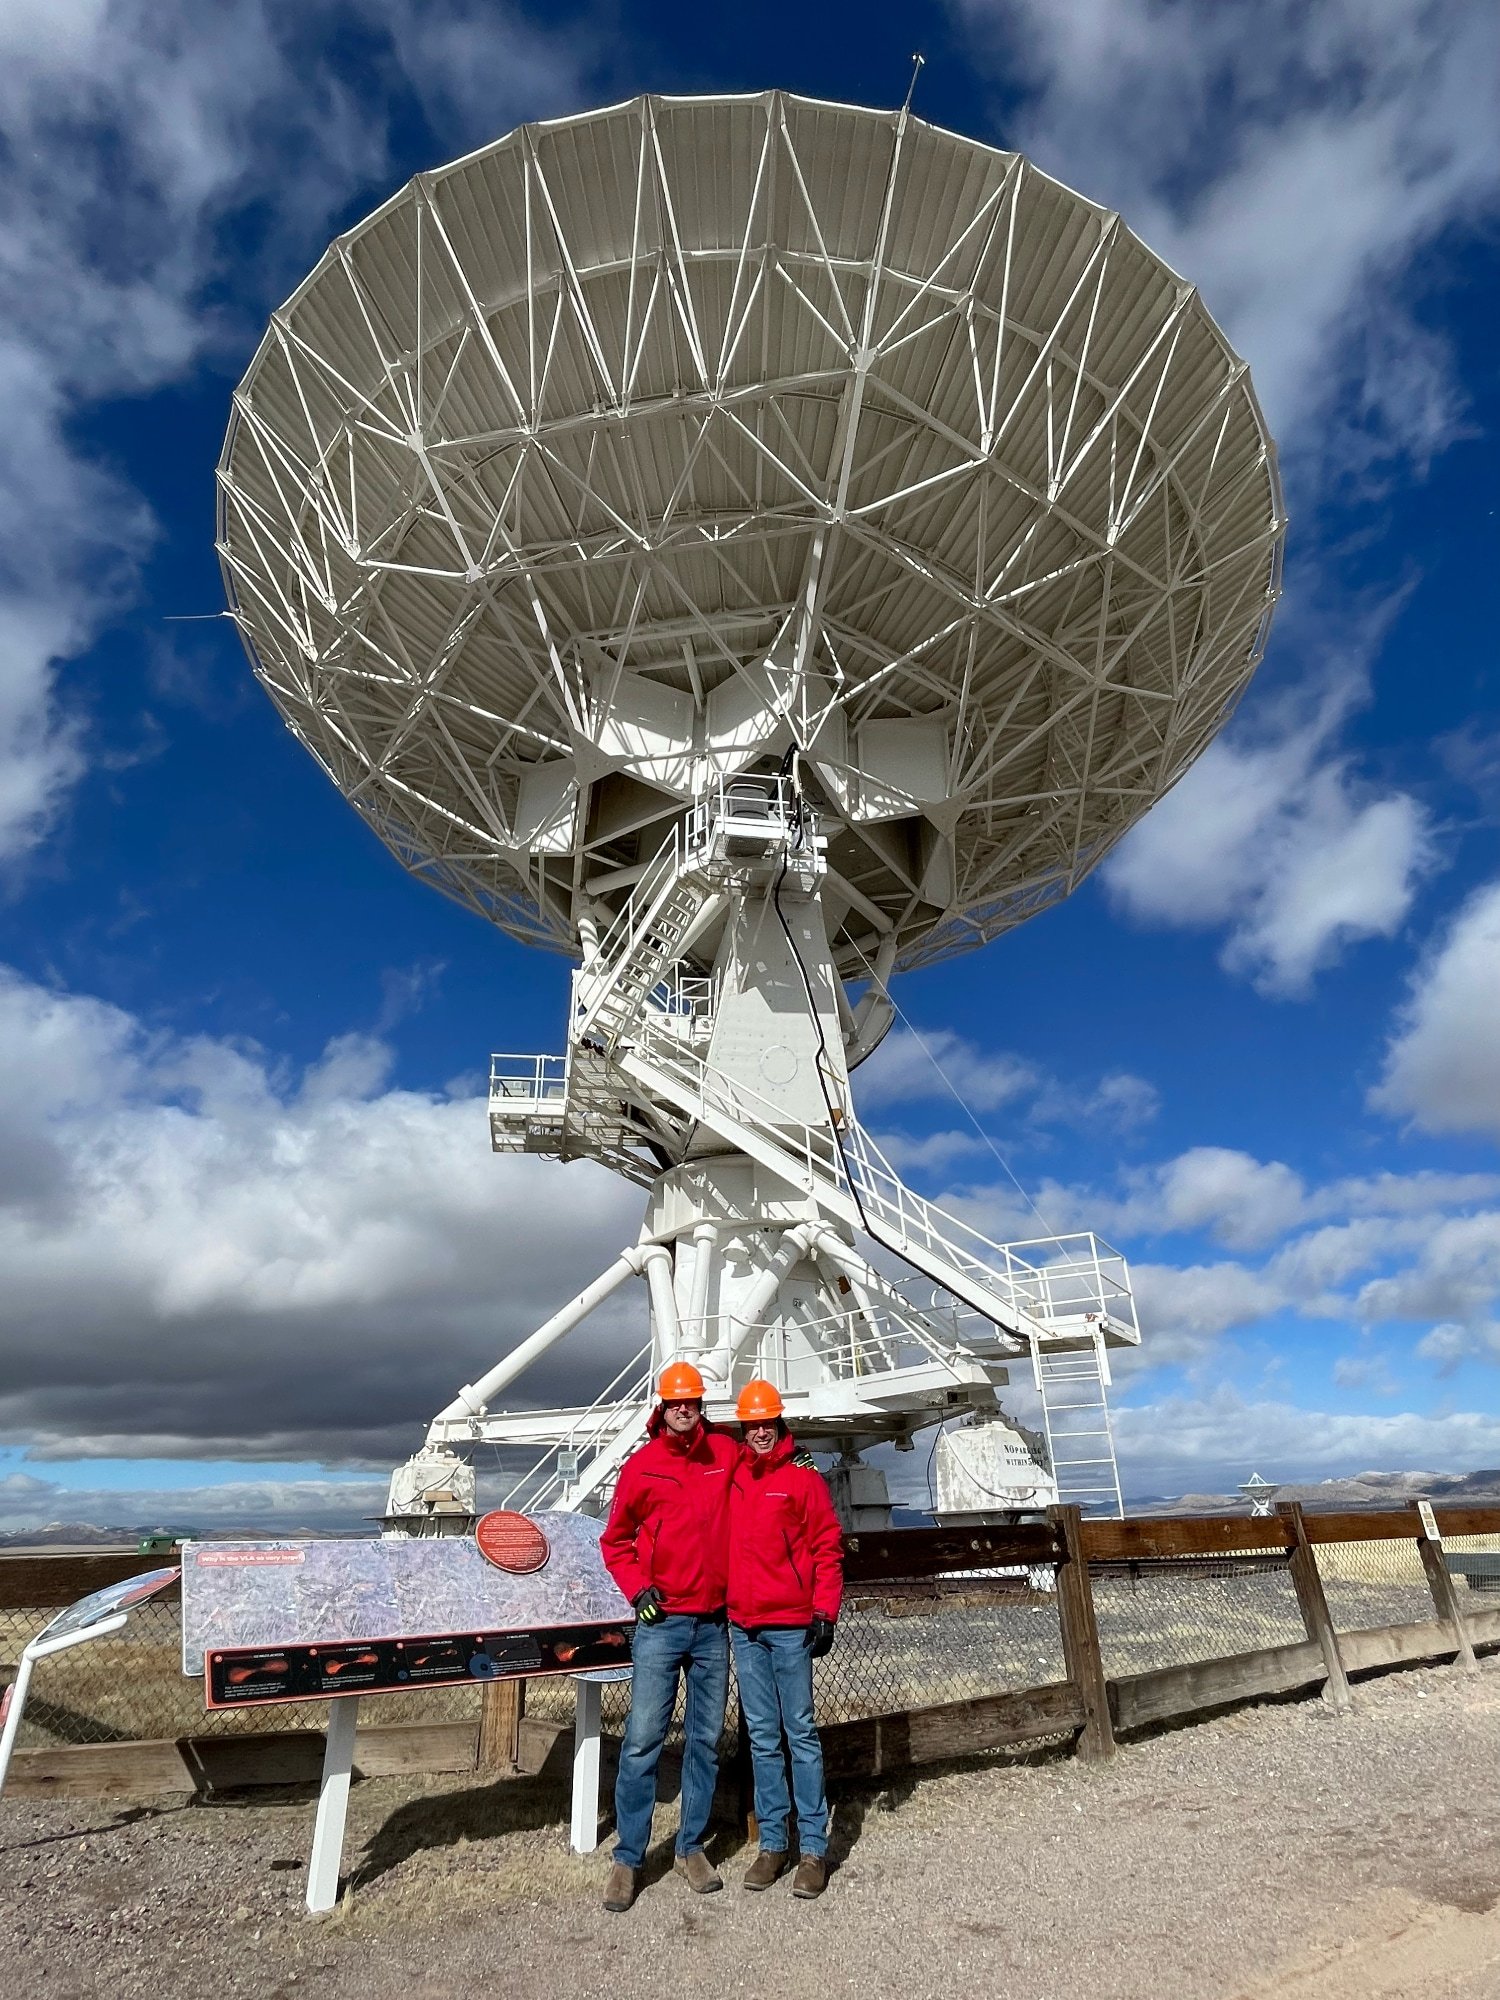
x,y
510,1541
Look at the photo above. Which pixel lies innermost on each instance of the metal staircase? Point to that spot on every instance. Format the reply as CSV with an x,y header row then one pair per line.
x,y
580,1464
851,1181
1075,1415
640,948
637,1082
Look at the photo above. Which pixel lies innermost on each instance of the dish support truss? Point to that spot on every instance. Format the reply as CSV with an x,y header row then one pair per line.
x,y
709,1047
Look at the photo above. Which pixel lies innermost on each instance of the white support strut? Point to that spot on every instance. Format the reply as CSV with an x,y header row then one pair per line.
x,y
583,1835
333,1804
42,1648
472,1399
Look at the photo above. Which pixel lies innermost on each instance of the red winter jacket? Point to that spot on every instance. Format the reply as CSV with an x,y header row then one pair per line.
x,y
669,1525
786,1548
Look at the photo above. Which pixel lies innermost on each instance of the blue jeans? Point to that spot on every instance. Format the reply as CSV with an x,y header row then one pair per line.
x,y
697,1648
775,1672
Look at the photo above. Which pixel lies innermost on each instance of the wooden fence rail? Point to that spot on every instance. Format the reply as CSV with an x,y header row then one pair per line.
x,y
1089,1707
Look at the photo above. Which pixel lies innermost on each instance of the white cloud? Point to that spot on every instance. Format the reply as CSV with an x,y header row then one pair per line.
x,y
156,158
1122,1102
1276,839
1456,1276
207,1252
1449,1344
939,1066
1291,159
1212,1443
1242,1201
939,1063
1184,1310
1443,1065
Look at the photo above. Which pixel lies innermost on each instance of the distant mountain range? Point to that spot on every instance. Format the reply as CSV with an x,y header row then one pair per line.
x,y
1365,1489
90,1535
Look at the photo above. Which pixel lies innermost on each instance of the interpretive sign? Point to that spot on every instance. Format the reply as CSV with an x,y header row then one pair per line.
x,y
306,1621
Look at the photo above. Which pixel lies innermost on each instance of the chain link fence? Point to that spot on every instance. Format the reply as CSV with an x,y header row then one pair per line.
x,y
1474,1562
1172,1613
1374,1583
130,1687
902,1643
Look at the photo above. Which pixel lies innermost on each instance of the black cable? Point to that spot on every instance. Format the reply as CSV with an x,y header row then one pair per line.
x,y
931,1455
824,1058
825,1061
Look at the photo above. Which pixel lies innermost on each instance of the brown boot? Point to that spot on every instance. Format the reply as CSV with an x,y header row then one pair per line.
x,y
765,1868
621,1889
811,1878
702,1877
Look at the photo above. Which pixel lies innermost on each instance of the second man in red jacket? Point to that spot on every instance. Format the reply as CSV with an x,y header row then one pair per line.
x,y
786,1580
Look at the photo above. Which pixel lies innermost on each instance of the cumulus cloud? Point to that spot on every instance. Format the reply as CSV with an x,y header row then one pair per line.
x,y
938,1065
1442,1068
1274,837
1449,1344
1183,1310
164,178
1241,1201
209,1252
1292,160
1211,1443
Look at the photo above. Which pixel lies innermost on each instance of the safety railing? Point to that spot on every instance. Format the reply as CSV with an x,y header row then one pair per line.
x,y
597,1429
849,1164
800,1353
518,1081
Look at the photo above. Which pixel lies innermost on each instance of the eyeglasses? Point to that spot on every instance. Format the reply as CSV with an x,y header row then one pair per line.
x,y
682,1403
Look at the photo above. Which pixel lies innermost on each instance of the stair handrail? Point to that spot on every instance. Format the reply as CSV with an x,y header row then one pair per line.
x,y
858,1168
604,1411
619,943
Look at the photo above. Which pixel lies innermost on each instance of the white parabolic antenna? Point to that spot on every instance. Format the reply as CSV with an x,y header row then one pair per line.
x,y
755,545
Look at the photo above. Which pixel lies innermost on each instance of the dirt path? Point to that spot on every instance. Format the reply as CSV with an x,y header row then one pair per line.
x,y
1281,1854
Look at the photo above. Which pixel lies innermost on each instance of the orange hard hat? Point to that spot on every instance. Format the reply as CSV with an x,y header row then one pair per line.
x,y
680,1383
759,1402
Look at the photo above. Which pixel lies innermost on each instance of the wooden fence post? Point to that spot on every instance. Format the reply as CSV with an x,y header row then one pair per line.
x,y
1313,1604
502,1705
1082,1658
1445,1598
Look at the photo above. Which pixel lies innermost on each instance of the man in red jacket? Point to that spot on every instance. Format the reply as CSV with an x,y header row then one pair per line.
x,y
665,1545
786,1583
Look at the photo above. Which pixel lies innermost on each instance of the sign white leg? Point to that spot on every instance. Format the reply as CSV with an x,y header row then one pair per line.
x,y
333,1804
42,1648
584,1836
13,1713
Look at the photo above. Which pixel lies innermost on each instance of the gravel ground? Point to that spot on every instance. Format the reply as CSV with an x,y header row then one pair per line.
x,y
1281,1853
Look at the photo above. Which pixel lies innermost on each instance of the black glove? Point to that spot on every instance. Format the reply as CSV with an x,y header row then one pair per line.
x,y
820,1637
648,1605
801,1456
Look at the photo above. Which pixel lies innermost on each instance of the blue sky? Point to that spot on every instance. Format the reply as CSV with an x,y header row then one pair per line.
x,y
250,1230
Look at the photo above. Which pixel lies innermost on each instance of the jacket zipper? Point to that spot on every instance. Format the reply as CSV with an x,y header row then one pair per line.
x,y
792,1559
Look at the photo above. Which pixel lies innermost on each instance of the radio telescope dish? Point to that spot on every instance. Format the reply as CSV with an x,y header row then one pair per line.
x,y
641,448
